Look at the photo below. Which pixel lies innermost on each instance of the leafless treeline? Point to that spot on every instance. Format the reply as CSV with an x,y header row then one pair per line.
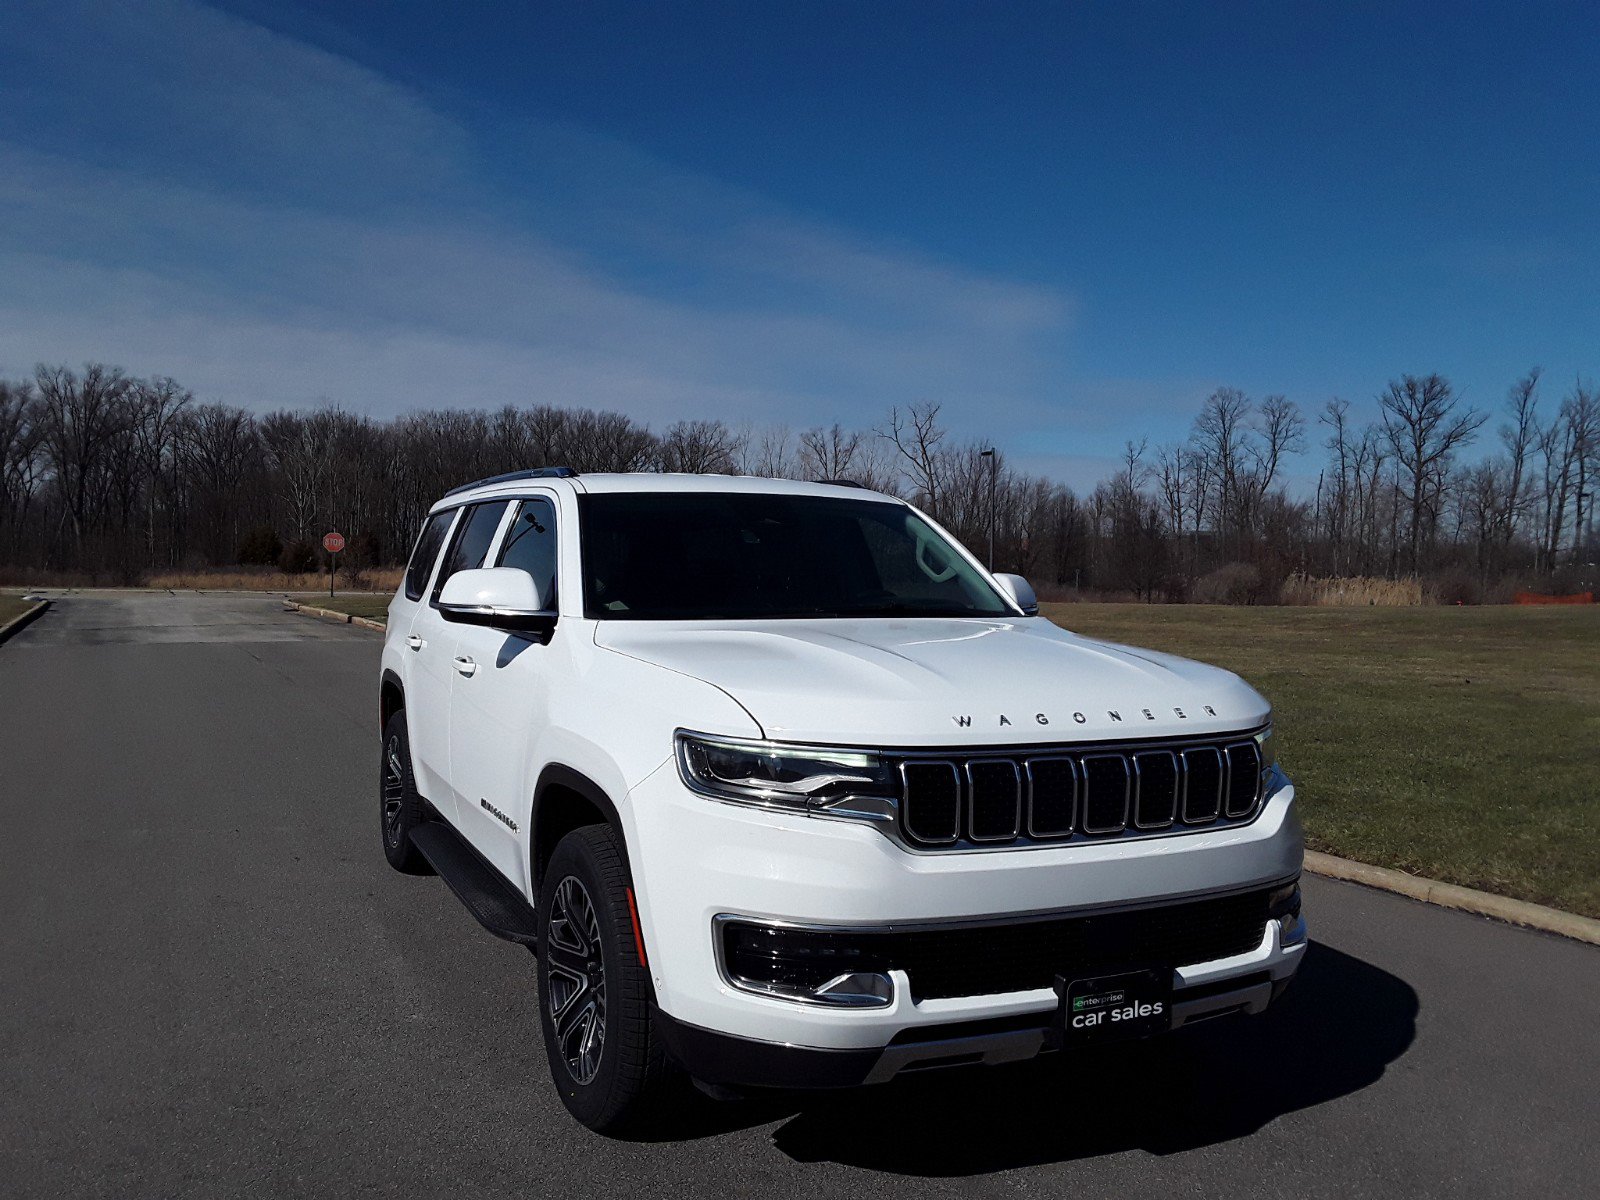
x,y
108,474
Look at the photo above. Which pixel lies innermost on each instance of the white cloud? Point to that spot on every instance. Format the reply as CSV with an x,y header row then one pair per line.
x,y
247,221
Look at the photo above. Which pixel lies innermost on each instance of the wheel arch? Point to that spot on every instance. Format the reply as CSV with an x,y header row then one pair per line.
x,y
565,799
391,698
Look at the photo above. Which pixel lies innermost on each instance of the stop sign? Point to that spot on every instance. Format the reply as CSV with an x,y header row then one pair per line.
x,y
333,542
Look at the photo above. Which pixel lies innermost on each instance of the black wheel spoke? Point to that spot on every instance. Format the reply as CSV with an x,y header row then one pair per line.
x,y
567,961
575,979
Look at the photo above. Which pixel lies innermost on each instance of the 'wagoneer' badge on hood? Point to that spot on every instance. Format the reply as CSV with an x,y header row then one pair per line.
x,y
1113,716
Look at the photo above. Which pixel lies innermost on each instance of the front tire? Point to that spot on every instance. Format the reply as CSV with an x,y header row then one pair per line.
x,y
399,803
594,993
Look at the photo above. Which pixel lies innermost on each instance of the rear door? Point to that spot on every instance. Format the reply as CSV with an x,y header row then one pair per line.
x,y
431,648
424,704
498,709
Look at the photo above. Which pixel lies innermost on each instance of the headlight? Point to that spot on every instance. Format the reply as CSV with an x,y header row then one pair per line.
x,y
1269,762
805,779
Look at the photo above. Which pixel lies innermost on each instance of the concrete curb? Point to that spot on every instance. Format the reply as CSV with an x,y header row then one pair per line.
x,y
18,624
1449,895
327,614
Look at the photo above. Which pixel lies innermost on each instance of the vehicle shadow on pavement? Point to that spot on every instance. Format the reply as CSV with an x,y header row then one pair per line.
x,y
1335,1030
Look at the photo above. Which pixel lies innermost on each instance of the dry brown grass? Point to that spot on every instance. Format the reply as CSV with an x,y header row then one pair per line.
x,y
1358,590
381,579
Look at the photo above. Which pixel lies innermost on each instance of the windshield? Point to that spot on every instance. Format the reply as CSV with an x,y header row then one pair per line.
x,y
725,555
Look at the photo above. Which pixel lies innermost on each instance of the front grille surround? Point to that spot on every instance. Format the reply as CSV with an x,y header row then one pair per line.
x,y
987,799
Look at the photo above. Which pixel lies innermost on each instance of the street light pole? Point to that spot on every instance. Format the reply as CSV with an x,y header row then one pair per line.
x,y
993,469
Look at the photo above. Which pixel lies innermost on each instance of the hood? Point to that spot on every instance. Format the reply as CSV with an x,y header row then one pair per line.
x,y
942,682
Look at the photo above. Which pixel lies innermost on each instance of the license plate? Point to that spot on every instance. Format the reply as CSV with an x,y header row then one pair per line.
x,y
1129,1005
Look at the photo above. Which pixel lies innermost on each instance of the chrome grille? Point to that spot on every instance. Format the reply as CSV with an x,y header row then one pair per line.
x,y
1086,793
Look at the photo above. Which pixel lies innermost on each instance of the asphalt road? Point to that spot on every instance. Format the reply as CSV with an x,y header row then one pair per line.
x,y
212,985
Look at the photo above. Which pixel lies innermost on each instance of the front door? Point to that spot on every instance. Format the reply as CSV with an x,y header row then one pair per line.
x,y
431,649
500,708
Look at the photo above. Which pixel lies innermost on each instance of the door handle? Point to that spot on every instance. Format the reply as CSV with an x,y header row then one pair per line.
x,y
415,642
465,665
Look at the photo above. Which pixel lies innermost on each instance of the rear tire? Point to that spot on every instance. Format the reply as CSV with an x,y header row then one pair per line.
x,y
399,804
594,993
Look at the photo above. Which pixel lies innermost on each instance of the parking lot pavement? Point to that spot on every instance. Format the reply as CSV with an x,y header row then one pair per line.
x,y
212,985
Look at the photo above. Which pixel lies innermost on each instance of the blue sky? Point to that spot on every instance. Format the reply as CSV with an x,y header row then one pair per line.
x,y
1066,222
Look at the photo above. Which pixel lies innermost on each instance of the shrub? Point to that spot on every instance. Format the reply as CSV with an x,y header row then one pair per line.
x,y
297,558
1455,586
260,547
1235,583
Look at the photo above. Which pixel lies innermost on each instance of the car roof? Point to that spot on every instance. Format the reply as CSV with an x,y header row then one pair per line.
x,y
663,482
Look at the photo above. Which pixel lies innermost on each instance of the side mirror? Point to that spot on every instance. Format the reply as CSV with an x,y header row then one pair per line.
x,y
499,597
1021,593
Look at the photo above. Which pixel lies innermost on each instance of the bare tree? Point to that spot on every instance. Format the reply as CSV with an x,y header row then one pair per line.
x,y
828,453
1425,429
1220,435
916,434
1519,438
20,434
159,407
699,448
768,454
80,417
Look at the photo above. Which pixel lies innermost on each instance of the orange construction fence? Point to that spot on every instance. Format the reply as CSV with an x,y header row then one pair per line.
x,y
1540,598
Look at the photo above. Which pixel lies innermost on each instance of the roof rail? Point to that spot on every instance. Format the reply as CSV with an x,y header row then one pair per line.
x,y
843,483
513,476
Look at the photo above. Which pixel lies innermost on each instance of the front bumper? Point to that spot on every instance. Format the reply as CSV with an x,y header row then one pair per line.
x,y
739,1062
695,859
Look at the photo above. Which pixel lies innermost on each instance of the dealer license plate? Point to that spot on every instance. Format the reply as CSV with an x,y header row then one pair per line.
x,y
1129,1005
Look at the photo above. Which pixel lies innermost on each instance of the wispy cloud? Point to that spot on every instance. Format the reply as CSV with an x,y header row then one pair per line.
x,y
274,224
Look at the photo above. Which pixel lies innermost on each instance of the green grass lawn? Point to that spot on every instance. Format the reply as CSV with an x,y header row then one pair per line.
x,y
1457,743
12,607
374,606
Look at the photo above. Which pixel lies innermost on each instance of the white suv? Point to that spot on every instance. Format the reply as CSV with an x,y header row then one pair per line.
x,y
784,789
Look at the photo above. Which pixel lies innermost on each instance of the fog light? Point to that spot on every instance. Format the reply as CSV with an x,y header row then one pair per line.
x,y
813,965
1283,906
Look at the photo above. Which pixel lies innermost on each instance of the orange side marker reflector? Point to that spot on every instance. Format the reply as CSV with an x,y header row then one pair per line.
x,y
638,938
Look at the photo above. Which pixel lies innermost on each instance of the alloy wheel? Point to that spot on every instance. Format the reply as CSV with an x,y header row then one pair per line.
x,y
577,979
394,791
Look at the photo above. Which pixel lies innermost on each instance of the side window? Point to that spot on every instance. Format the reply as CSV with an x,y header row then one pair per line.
x,y
422,558
471,544
530,546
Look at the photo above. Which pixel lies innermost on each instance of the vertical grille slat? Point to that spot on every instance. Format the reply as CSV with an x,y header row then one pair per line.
x,y
1244,778
1052,796
994,800
1108,787
1202,784
1157,804
932,808
979,800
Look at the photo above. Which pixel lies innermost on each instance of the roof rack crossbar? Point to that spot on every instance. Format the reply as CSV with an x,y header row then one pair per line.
x,y
514,476
843,483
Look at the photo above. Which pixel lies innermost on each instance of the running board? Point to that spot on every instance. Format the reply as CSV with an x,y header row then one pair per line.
x,y
499,907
